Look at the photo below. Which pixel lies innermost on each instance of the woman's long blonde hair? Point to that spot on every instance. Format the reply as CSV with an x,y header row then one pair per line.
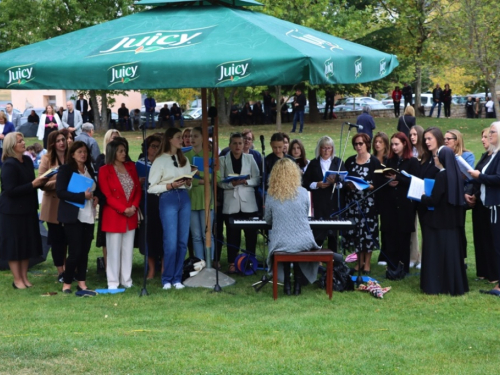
x,y
460,146
285,180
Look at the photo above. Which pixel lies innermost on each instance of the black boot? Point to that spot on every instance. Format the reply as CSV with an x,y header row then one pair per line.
x,y
287,288
298,279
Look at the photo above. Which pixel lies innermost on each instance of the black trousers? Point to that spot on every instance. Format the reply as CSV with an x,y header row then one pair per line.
x,y
397,249
447,109
495,231
397,106
58,243
80,236
234,236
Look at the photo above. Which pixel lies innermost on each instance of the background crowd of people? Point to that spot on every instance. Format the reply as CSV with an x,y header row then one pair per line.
x,y
384,218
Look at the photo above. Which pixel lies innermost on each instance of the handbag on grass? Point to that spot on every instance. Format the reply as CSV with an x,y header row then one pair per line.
x,y
397,274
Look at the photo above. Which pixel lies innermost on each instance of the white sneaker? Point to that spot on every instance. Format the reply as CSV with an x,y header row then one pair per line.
x,y
418,266
167,286
382,263
412,264
179,286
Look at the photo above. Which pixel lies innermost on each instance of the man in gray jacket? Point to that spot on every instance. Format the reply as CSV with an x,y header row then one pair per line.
x,y
86,137
72,119
12,116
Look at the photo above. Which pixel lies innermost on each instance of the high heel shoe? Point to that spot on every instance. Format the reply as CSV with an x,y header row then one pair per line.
x,y
14,286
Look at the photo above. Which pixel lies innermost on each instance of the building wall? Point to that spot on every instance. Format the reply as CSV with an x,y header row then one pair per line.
x,y
22,99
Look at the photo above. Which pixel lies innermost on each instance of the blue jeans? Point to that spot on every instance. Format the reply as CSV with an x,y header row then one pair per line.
x,y
198,232
432,109
181,121
150,117
300,115
175,216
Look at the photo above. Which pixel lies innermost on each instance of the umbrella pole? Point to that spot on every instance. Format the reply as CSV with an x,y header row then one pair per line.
x,y
206,179
144,291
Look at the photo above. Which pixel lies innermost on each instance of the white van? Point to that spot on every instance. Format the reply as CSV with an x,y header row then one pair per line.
x,y
425,100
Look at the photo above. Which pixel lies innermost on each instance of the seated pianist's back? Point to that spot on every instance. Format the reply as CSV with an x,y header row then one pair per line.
x,y
286,210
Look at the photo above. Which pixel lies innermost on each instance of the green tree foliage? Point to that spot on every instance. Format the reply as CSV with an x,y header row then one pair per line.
x,y
476,24
29,21
417,22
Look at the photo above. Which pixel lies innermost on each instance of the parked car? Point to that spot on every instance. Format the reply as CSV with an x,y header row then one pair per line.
x,y
387,101
363,100
192,114
347,108
38,110
425,100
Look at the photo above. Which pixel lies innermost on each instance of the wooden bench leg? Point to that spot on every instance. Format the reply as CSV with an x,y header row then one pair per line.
x,y
329,278
275,278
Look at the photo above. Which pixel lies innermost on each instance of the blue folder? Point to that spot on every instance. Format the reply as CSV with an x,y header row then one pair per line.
x,y
428,186
142,169
198,161
79,184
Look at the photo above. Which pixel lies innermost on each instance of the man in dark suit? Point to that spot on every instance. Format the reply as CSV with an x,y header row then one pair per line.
x,y
83,106
124,118
164,116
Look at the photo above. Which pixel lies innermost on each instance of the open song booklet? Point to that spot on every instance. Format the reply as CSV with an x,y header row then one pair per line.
x,y
236,177
357,182
187,176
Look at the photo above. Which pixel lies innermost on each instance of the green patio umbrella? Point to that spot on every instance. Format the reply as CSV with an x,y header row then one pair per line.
x,y
174,46
192,44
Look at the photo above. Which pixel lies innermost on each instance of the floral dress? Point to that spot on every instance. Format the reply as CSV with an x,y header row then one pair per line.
x,y
364,235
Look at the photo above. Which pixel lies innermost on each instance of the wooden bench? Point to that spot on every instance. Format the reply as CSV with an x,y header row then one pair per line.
x,y
324,255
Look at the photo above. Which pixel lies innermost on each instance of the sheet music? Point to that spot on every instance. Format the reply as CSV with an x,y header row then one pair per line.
x,y
417,187
464,167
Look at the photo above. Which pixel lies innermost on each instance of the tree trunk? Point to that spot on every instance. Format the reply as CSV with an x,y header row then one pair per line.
x,y
104,111
278,108
418,86
95,109
222,110
313,105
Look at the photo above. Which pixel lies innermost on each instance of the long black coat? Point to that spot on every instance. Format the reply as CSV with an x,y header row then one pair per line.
x,y
397,212
323,202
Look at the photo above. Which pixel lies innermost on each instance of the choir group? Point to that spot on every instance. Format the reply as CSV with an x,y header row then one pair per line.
x,y
386,170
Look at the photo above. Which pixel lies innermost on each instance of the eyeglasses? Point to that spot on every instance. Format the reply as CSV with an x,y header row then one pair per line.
x,y
449,139
154,146
358,144
175,162
247,139
326,148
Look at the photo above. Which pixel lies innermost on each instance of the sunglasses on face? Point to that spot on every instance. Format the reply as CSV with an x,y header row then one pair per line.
x,y
358,144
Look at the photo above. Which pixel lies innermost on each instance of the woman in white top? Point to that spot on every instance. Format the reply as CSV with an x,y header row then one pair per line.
x,y
49,122
175,205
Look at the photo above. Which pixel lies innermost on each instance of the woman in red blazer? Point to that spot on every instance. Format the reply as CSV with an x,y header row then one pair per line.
x,y
121,187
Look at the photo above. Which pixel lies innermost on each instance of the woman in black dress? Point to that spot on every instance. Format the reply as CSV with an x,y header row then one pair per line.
x,y
364,237
397,212
433,140
155,229
484,249
489,178
407,121
19,231
324,202
443,269
380,145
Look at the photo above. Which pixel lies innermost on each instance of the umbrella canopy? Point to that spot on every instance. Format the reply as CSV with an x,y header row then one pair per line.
x,y
203,45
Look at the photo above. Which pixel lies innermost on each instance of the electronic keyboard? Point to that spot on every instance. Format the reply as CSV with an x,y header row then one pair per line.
x,y
315,224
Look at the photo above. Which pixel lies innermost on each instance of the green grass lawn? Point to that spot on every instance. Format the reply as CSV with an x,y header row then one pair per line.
x,y
238,331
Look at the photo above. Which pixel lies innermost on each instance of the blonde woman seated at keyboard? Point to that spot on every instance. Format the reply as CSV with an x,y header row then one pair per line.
x,y
287,207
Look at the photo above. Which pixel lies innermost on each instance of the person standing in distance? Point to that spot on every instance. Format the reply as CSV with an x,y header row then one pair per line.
x,y
299,105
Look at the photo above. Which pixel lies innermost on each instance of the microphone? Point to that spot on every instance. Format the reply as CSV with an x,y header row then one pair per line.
x,y
359,127
262,142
